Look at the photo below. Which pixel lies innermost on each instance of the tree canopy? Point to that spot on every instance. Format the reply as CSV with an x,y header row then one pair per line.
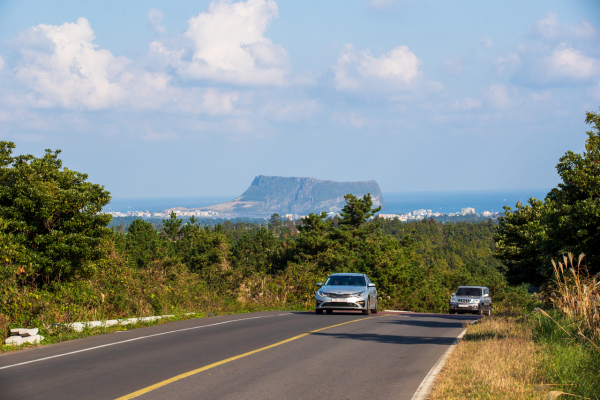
x,y
52,212
567,220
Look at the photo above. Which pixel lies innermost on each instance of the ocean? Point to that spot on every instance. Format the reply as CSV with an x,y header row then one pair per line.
x,y
396,202
453,201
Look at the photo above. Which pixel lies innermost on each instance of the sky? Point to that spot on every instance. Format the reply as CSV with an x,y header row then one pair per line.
x,y
196,98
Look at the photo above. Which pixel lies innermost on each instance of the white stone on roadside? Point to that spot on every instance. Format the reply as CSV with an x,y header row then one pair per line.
x,y
24,332
19,340
14,340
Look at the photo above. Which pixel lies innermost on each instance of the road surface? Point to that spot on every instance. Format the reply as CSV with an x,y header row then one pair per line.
x,y
265,355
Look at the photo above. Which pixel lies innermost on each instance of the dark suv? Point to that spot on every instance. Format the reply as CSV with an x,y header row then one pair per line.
x,y
471,299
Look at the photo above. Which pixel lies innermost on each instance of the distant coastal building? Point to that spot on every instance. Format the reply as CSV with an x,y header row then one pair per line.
x,y
388,216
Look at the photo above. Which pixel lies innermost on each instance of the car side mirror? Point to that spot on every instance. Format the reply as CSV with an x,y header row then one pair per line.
x,y
320,284
371,285
486,295
453,294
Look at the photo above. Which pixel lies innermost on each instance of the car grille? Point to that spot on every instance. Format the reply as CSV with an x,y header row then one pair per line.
x,y
463,300
337,295
340,305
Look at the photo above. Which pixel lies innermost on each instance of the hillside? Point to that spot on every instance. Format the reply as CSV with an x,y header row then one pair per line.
x,y
274,194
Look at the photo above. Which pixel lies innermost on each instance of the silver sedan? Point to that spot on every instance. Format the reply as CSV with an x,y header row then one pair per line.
x,y
346,292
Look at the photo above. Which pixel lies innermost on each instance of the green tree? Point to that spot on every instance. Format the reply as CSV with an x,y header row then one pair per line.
x,y
258,251
568,220
275,223
172,226
53,212
356,212
143,244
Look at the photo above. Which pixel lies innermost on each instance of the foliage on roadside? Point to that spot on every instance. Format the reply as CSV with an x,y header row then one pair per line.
x,y
569,327
567,220
51,215
59,263
546,343
496,359
576,294
571,363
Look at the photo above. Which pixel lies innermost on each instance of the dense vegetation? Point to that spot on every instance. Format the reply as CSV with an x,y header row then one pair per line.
x,y
60,262
566,221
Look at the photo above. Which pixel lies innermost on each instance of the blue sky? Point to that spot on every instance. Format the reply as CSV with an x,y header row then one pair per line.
x,y
156,99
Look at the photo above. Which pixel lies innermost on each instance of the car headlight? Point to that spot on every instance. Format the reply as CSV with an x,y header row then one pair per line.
x,y
358,294
474,300
321,294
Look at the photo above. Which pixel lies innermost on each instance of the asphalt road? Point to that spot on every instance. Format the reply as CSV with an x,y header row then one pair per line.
x,y
293,355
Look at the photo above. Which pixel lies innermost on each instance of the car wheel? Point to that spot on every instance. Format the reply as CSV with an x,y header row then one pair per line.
x,y
480,310
319,311
376,309
366,312
329,311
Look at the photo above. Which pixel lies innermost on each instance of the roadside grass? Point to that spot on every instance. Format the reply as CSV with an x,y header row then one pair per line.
x,y
497,359
119,292
571,362
510,356
62,333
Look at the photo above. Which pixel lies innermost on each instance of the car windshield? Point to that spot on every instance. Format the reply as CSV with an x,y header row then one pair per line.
x,y
338,280
468,291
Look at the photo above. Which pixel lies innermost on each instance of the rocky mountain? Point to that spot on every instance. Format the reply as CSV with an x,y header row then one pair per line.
x,y
274,194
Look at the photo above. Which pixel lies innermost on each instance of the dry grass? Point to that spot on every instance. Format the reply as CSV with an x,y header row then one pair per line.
x,y
577,295
497,359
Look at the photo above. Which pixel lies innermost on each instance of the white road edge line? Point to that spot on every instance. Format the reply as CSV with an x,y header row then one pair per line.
x,y
424,389
138,338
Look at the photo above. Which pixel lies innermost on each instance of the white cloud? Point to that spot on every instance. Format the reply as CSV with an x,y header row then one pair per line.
x,y
549,28
1,63
508,64
228,45
545,65
566,62
210,101
498,97
454,65
291,110
555,57
468,103
352,119
542,96
64,68
154,19
396,69
151,135
487,42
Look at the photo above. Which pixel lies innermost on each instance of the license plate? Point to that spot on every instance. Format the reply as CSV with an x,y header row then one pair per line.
x,y
338,300
463,305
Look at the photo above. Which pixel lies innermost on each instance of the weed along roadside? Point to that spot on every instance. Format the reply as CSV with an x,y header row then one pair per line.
x,y
542,350
497,358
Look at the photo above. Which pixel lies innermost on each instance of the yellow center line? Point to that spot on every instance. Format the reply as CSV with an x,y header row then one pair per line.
x,y
207,367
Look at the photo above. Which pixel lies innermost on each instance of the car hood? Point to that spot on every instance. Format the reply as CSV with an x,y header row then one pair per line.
x,y
342,289
467,297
